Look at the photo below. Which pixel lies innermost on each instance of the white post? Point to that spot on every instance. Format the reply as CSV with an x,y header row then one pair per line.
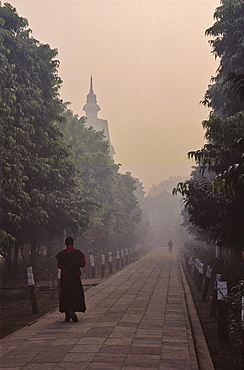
x,y
102,265
223,315
126,256
118,258
59,278
92,263
110,260
122,258
31,284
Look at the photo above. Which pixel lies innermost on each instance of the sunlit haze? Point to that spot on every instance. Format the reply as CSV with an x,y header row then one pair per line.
x,y
151,64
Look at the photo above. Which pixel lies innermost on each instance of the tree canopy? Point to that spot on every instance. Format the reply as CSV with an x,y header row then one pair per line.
x,y
215,201
114,220
56,175
227,46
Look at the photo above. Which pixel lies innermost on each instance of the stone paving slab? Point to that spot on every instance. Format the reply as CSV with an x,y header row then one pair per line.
x,y
135,319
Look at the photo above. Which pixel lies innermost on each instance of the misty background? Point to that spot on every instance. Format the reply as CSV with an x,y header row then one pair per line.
x,y
151,65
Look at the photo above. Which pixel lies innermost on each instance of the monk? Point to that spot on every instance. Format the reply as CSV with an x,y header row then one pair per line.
x,y
72,299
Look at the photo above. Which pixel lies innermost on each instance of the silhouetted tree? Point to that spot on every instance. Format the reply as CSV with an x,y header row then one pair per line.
x,y
217,206
40,192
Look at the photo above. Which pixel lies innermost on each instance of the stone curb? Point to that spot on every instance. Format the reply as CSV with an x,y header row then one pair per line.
x,y
201,347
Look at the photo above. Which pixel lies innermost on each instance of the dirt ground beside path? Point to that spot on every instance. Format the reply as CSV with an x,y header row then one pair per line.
x,y
16,312
16,309
224,356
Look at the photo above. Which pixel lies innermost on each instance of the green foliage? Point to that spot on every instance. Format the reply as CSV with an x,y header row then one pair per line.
x,y
228,31
235,299
56,175
237,84
167,185
114,220
40,192
216,205
231,270
218,209
223,154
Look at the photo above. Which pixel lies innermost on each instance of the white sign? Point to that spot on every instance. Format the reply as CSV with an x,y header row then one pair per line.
x,y
200,269
221,289
30,276
110,257
92,261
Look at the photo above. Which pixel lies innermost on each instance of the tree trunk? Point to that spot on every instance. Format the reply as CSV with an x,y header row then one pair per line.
x,y
8,260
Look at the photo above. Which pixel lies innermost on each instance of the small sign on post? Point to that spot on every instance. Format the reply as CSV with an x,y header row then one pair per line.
x,y
110,262
214,298
122,258
200,276
126,256
102,265
118,260
93,268
223,316
137,247
31,285
221,290
195,272
59,278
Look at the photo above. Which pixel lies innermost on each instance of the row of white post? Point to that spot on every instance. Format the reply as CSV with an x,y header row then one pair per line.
x,y
219,306
123,257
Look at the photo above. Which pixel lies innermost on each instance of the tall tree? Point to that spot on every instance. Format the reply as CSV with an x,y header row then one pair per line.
x,y
113,222
216,204
39,181
227,45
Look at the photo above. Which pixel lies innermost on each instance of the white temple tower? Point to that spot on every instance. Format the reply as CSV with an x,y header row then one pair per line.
x,y
91,109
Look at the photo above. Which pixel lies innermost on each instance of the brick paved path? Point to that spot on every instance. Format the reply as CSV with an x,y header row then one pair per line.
x,y
135,319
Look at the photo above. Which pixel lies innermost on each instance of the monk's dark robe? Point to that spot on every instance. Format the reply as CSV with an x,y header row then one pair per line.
x,y
71,290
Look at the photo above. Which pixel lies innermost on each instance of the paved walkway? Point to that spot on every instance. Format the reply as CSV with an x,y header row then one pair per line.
x,y
135,319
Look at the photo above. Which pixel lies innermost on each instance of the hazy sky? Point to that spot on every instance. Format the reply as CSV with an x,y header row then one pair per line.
x,y
151,65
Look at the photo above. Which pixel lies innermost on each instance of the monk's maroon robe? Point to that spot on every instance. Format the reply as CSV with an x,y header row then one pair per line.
x,y
71,290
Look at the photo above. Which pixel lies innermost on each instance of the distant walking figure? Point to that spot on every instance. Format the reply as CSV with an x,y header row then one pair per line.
x,y
170,244
71,290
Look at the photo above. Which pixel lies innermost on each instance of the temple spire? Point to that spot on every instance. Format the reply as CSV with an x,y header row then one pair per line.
x,y
91,107
91,87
